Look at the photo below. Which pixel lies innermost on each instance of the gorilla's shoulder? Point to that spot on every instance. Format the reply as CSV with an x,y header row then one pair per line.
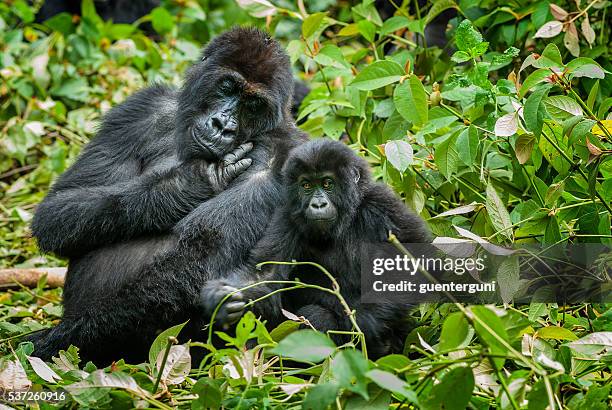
x,y
151,110
382,208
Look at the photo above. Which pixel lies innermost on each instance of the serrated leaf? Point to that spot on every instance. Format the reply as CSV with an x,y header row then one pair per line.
x,y
551,57
400,154
411,101
534,112
561,107
467,145
508,278
550,29
500,218
466,36
377,75
447,157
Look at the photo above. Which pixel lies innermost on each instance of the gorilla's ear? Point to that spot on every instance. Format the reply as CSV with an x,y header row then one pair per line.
x,y
355,174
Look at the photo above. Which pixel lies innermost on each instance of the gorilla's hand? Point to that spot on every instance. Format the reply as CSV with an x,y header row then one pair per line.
x,y
232,309
233,164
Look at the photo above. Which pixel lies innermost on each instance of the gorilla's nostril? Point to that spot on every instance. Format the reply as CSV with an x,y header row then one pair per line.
x,y
318,204
217,123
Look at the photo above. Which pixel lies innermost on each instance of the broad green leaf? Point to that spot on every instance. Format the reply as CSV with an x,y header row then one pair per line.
x,y
161,342
411,101
349,368
553,193
592,345
498,214
394,361
306,346
534,78
393,24
311,24
447,157
178,364
593,95
491,335
467,145
561,107
320,396
400,154
524,147
367,29
453,392
508,278
394,384
209,394
585,67
556,332
455,332
396,127
162,20
258,8
551,57
377,75
534,113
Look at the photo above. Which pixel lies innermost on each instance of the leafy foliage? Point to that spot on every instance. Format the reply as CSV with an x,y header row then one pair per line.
x,y
504,137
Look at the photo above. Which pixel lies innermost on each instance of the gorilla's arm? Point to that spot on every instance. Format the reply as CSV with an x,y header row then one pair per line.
x,y
105,196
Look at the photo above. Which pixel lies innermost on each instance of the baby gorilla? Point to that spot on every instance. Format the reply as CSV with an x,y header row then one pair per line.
x,y
332,209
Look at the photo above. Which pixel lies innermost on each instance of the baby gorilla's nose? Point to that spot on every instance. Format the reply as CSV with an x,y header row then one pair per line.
x,y
319,204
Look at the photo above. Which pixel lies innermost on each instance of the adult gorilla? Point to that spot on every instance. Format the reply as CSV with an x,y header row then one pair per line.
x,y
148,216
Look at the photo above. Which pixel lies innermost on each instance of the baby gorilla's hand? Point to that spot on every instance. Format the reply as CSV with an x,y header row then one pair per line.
x,y
232,309
233,164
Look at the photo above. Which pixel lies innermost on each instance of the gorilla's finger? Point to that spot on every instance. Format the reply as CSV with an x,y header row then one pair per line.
x,y
233,317
235,307
238,153
233,170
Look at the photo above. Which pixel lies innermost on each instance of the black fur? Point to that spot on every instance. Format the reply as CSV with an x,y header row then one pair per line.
x,y
137,216
367,212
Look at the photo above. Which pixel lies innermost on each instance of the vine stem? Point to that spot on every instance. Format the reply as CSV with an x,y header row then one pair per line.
x,y
171,341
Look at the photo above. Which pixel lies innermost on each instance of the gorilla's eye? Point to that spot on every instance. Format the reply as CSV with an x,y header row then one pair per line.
x,y
328,183
227,87
307,186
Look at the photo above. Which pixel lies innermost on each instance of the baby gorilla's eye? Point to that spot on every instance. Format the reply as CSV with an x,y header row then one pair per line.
x,y
328,183
306,185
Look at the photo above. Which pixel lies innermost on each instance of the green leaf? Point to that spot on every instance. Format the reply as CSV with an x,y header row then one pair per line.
x,y
556,332
377,75
455,332
534,78
562,107
585,67
524,147
490,319
394,384
551,57
209,394
411,101
396,127
453,392
320,396
367,29
311,24
162,20
534,112
305,346
498,214
349,368
467,145
593,95
399,154
393,24
508,278
466,37
245,326
62,23
447,157
161,342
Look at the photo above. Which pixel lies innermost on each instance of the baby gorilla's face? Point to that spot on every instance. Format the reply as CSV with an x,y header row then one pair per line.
x,y
317,196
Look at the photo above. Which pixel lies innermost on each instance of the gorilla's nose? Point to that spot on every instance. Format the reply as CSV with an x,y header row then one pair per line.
x,y
222,122
319,204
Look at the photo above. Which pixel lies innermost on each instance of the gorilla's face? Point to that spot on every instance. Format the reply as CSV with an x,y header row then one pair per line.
x,y
324,188
240,89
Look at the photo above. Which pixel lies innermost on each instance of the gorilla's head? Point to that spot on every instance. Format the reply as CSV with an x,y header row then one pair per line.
x,y
325,182
241,88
